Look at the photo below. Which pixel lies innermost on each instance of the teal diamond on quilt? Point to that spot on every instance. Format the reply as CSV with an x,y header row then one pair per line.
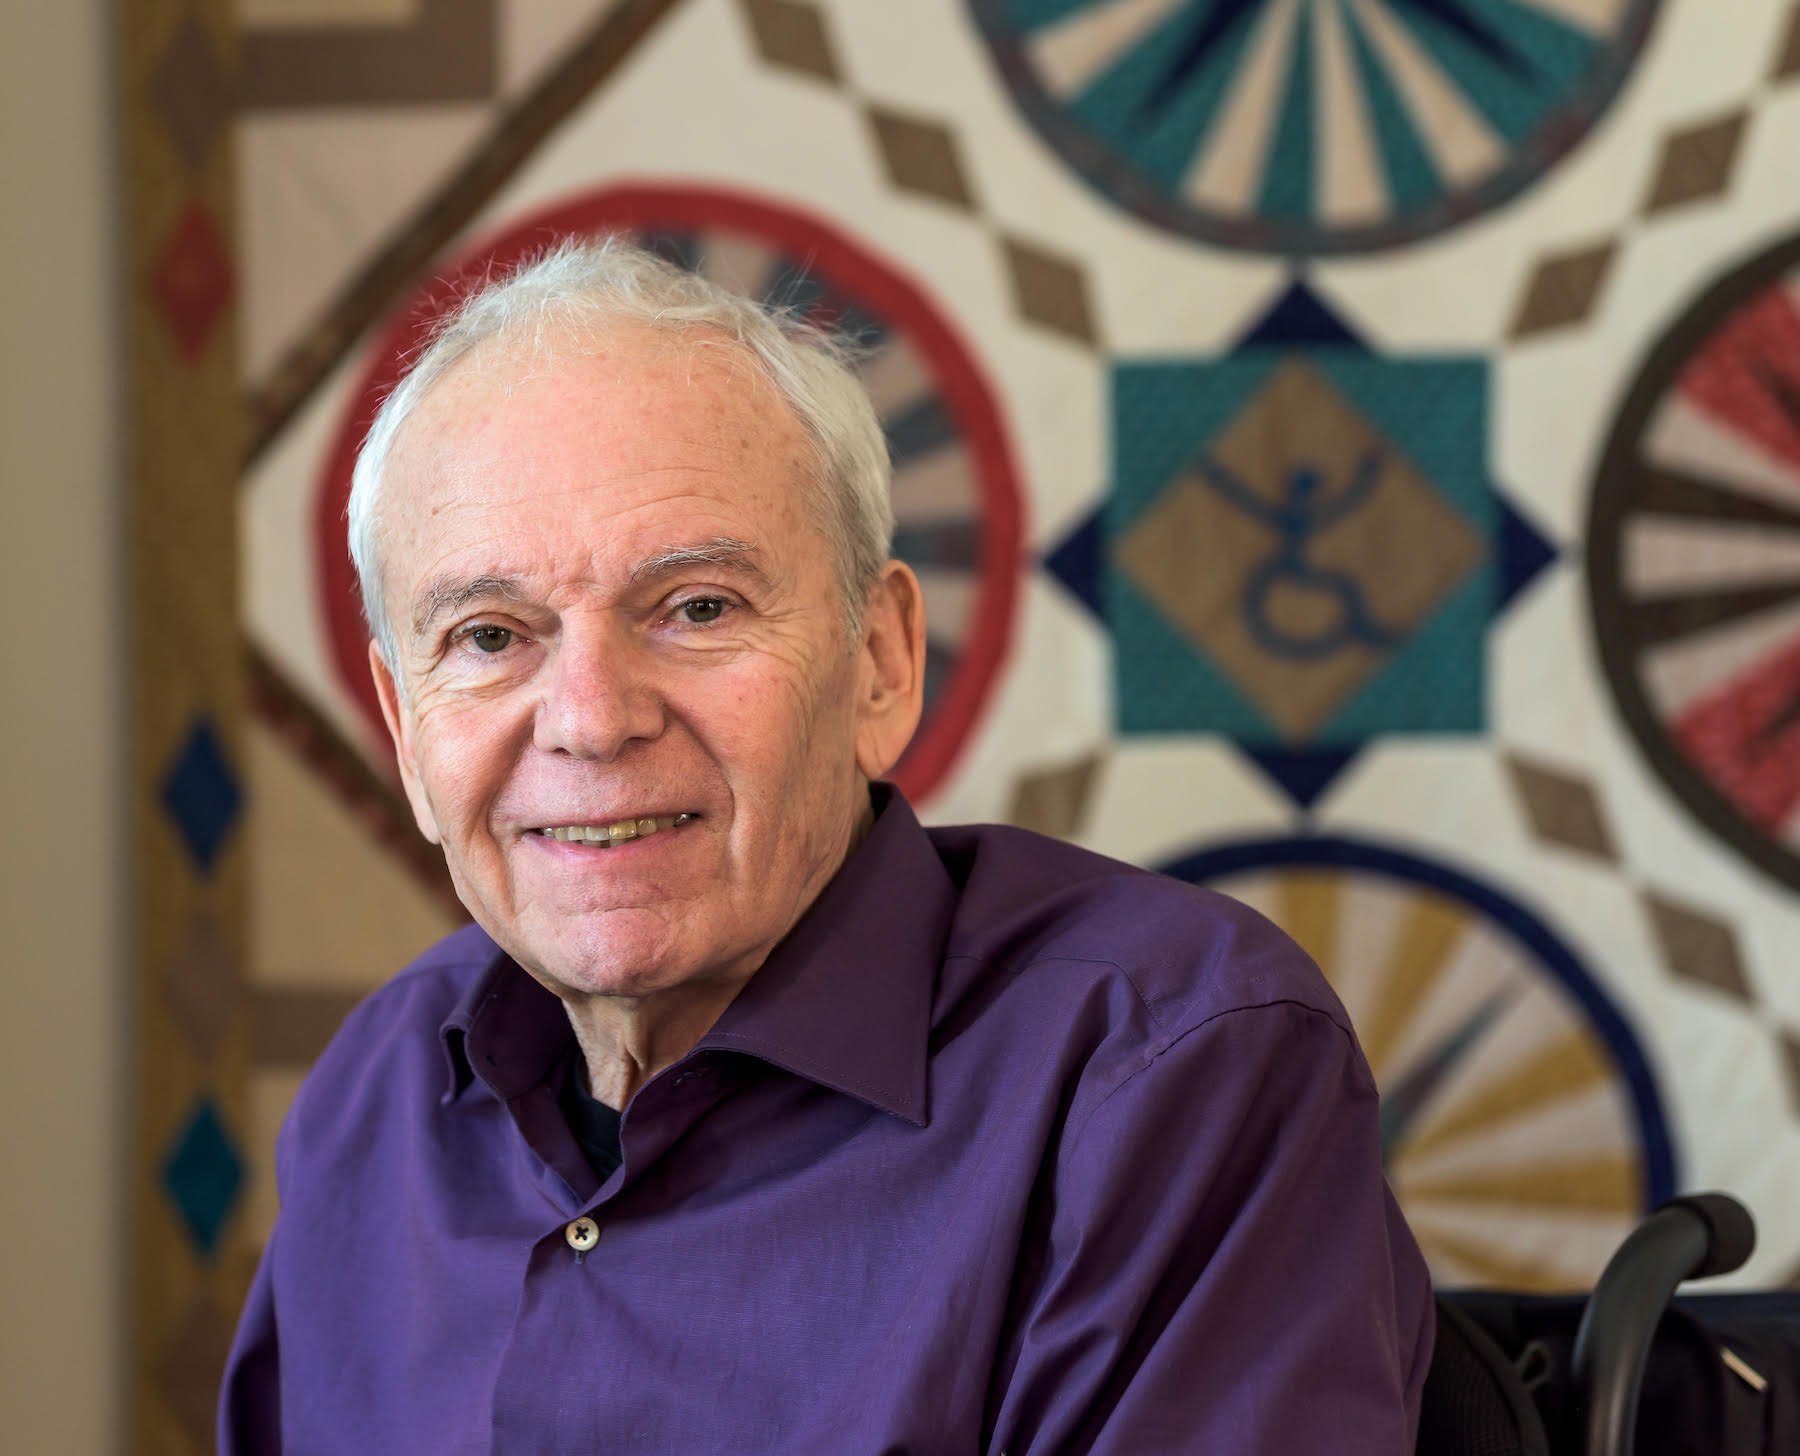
x,y
203,1174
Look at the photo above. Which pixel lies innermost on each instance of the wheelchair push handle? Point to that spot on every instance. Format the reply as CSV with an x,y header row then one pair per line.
x,y
1694,1237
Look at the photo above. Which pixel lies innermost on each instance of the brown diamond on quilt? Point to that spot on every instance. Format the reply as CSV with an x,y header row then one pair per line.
x,y
1698,947
1055,801
1563,290
190,1368
1562,809
1696,163
1049,290
920,156
201,986
791,34
1787,54
192,93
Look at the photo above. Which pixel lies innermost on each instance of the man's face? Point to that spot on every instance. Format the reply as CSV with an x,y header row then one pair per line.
x,y
613,606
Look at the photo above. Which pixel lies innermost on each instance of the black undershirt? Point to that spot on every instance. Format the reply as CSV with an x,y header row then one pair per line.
x,y
595,1125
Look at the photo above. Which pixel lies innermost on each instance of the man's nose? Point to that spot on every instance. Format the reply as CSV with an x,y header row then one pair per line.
x,y
600,694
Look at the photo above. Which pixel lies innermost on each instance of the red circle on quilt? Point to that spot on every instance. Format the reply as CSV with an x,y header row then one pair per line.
x,y
971,555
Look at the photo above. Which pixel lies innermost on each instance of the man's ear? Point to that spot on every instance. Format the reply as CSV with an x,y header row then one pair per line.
x,y
891,682
400,730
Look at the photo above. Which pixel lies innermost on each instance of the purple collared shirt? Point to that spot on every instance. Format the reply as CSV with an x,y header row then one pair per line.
x,y
1007,1148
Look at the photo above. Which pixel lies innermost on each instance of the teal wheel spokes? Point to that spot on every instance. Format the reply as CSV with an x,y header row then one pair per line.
x,y
1313,126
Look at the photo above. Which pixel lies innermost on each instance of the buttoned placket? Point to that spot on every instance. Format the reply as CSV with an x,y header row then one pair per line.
x,y
657,1118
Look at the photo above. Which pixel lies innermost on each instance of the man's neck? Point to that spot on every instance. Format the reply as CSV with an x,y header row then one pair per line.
x,y
626,1041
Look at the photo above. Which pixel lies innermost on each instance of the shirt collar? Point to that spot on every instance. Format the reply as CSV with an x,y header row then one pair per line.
x,y
845,1000
508,1030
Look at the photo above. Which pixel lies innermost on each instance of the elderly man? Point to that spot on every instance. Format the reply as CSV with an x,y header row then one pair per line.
x,y
750,1116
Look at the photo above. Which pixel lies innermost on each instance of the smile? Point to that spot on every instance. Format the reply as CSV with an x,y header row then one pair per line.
x,y
604,836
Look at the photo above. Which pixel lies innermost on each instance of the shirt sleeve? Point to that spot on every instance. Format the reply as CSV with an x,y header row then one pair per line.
x,y
250,1397
1225,1269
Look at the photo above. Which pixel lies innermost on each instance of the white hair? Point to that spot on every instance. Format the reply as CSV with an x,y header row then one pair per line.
x,y
582,287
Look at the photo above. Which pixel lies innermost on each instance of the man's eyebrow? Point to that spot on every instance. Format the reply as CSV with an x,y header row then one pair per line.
x,y
720,551
449,594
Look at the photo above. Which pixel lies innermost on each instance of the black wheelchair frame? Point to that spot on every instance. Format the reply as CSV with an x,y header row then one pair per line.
x,y
1530,1375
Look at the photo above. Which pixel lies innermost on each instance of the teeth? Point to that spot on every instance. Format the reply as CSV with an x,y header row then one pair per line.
x,y
604,836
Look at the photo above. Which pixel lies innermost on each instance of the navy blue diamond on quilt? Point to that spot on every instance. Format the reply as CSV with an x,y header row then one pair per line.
x,y
1304,774
201,794
1079,562
203,1174
1524,553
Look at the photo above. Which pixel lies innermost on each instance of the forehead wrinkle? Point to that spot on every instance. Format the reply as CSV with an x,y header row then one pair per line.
x,y
507,365
538,351
448,479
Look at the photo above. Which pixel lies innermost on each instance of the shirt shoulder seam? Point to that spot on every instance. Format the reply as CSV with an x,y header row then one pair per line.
x,y
1156,1018
1155,1052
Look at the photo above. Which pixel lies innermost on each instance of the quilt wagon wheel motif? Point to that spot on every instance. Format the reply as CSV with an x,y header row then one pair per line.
x,y
1521,1128
1313,126
955,492
1694,560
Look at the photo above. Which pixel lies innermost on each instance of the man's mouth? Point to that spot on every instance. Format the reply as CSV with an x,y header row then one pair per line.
x,y
604,836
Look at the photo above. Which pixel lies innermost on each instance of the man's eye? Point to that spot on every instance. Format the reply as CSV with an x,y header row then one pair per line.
x,y
491,639
702,610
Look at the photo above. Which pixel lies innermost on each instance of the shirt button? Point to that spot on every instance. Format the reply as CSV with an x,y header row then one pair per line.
x,y
582,1235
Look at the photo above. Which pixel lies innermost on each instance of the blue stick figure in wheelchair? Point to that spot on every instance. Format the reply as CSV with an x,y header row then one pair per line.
x,y
1307,508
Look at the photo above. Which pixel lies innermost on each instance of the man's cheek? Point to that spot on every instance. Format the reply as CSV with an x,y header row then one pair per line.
x,y
462,772
786,703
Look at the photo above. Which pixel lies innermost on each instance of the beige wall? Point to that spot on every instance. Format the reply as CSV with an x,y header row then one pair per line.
x,y
61,741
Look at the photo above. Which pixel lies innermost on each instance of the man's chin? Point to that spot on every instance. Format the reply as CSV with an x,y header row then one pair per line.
x,y
616,958
579,980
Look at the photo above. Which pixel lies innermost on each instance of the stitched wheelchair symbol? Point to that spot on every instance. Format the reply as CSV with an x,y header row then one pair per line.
x,y
1307,508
